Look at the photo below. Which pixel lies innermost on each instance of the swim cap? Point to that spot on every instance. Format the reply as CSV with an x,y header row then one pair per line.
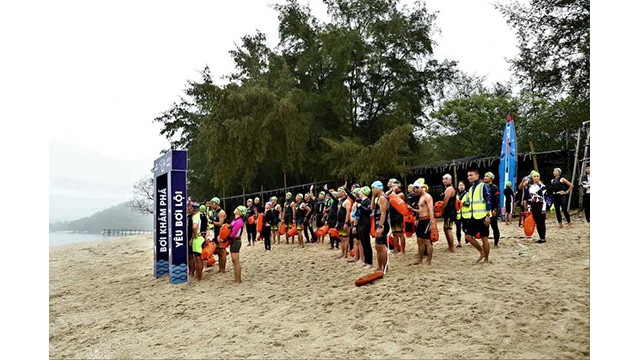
x,y
273,198
289,194
242,210
507,183
341,188
195,206
377,184
394,181
203,208
299,196
215,200
446,176
322,193
365,190
256,199
535,173
418,183
357,191
355,185
490,175
558,170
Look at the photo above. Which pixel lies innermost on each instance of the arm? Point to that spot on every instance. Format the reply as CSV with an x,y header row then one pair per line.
x,y
430,207
383,214
350,195
222,216
293,206
565,181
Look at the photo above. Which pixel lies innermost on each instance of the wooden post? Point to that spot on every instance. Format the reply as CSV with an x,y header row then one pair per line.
x,y
535,158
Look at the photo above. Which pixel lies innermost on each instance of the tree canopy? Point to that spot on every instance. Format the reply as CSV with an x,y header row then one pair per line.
x,y
362,96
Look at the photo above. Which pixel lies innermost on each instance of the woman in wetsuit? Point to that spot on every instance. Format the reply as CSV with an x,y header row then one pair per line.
x,y
560,190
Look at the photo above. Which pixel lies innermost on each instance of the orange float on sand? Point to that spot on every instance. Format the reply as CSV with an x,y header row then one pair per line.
x,y
369,278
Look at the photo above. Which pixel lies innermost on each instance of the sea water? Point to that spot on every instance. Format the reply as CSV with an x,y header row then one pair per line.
x,y
69,237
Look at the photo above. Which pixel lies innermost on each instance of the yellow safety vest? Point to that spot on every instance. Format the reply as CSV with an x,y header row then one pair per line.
x,y
465,211
477,205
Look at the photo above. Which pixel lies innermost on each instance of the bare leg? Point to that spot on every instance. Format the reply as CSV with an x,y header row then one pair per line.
x,y
192,266
476,245
421,245
222,261
344,242
403,242
485,245
381,253
429,251
198,262
449,235
235,258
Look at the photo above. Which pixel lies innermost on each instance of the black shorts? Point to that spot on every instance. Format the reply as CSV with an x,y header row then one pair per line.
x,y
449,220
382,239
353,233
288,220
477,225
235,246
196,255
424,229
507,207
396,227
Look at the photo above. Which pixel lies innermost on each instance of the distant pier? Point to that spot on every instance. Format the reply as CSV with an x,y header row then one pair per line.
x,y
124,232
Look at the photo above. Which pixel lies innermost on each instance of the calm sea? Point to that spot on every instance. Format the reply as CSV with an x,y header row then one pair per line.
x,y
66,237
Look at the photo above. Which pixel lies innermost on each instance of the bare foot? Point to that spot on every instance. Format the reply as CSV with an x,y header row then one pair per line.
x,y
451,250
367,266
428,262
480,259
560,226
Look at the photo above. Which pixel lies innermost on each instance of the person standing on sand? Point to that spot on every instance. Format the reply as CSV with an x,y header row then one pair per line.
x,y
461,221
478,199
219,218
364,226
269,215
538,192
560,190
236,233
195,259
289,208
319,211
301,213
449,211
251,225
586,197
395,217
508,201
425,218
380,207
495,204
277,211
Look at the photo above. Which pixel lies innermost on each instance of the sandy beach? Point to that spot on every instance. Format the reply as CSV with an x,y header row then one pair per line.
x,y
531,302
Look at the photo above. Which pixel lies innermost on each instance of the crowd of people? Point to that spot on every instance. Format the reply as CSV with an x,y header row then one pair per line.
x,y
351,215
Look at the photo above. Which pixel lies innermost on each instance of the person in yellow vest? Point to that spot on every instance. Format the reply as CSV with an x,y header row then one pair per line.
x,y
462,215
478,199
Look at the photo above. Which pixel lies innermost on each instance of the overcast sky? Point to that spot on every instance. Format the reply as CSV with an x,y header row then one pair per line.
x,y
108,68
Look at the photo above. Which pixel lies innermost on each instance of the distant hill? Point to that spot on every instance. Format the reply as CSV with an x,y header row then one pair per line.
x,y
116,217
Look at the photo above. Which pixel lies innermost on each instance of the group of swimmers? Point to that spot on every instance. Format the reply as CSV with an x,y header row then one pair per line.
x,y
355,213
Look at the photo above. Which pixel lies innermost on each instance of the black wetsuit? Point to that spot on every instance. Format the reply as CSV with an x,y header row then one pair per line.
x,y
495,205
364,228
396,217
288,214
508,199
333,220
266,230
309,235
251,228
382,239
560,201
319,207
449,212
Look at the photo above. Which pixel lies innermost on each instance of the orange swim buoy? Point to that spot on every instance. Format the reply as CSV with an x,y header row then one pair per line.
x,y
529,225
208,251
225,230
283,229
434,231
478,236
322,231
333,232
211,261
252,220
369,278
260,224
409,225
293,231
372,232
437,209
399,204
353,252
